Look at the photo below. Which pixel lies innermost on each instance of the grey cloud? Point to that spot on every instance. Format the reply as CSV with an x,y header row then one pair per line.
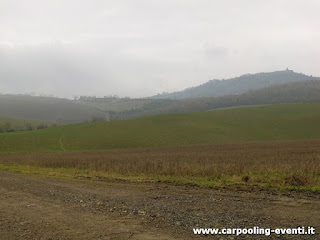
x,y
212,51
139,48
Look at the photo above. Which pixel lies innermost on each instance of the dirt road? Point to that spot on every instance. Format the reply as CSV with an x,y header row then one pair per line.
x,y
45,208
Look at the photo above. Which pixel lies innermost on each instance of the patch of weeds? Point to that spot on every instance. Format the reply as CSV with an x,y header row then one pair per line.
x,y
245,178
296,180
271,181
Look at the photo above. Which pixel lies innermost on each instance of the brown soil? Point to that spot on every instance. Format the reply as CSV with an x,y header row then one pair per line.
x,y
44,208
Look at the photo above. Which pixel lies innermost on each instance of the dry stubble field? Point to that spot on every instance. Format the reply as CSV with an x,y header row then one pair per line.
x,y
160,193
271,165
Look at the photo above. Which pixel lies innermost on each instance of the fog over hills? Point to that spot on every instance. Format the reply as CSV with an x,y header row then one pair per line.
x,y
51,109
249,89
237,85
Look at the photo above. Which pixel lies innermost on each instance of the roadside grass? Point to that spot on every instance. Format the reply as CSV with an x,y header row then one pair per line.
x,y
278,165
261,123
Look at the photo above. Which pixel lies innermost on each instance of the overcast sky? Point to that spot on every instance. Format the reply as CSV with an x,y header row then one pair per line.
x,y
138,48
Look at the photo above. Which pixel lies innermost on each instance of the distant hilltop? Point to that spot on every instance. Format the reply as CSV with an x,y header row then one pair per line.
x,y
237,85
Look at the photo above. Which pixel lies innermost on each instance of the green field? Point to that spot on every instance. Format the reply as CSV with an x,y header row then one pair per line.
x,y
261,123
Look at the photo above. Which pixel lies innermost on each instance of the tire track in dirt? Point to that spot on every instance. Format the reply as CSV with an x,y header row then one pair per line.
x,y
45,208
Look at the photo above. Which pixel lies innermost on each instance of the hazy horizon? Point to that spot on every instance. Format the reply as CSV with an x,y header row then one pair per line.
x,y
141,48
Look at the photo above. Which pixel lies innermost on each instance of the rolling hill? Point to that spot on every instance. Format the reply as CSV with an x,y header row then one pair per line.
x,y
259,123
296,92
238,85
52,109
250,89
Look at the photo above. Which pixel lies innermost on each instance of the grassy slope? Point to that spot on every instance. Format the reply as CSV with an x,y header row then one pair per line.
x,y
275,122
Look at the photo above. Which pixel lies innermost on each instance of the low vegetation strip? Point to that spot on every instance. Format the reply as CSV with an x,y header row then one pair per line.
x,y
261,123
261,165
8,124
